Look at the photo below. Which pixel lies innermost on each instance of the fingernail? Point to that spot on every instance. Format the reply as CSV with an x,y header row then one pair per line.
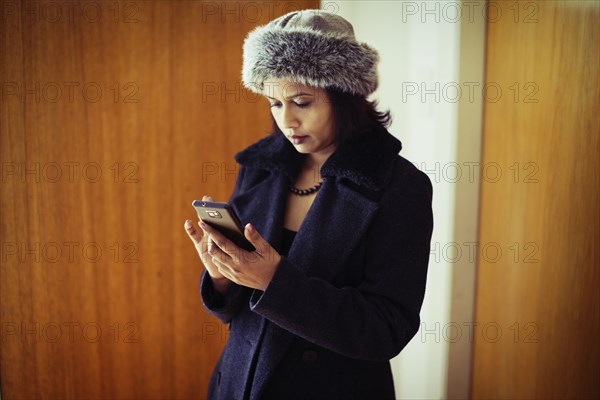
x,y
202,224
250,228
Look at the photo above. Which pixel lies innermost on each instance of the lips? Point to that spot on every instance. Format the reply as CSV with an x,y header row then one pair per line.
x,y
298,139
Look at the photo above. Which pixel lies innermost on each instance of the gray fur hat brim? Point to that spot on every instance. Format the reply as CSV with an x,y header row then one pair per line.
x,y
309,56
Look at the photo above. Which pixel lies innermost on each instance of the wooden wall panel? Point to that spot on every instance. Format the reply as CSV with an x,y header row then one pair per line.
x,y
543,291
110,114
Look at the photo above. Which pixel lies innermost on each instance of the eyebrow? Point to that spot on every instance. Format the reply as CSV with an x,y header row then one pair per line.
x,y
291,97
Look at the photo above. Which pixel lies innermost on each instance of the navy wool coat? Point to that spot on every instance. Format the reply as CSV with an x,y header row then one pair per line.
x,y
346,299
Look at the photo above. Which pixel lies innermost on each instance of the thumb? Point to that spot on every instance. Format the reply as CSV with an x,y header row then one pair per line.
x,y
255,238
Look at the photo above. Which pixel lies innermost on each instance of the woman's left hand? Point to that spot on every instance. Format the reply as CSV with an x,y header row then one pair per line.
x,y
253,269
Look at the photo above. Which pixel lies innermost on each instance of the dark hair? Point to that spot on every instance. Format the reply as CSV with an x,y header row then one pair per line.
x,y
353,116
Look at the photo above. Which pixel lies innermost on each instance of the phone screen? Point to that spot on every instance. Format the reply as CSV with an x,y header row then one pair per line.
x,y
222,217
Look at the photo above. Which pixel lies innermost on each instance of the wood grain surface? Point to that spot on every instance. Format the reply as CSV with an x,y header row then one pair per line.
x,y
115,115
538,297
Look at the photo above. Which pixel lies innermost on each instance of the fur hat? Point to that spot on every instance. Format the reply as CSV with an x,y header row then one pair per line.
x,y
311,47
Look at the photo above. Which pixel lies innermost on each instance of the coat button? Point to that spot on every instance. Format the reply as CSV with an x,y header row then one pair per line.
x,y
309,356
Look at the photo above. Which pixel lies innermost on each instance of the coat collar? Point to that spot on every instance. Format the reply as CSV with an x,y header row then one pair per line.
x,y
367,162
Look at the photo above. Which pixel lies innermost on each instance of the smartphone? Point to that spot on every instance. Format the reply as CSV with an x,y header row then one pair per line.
x,y
221,217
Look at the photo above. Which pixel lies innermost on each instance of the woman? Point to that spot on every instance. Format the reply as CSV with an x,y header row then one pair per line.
x,y
340,222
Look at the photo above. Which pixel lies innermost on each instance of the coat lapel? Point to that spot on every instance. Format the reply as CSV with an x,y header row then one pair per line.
x,y
264,205
336,221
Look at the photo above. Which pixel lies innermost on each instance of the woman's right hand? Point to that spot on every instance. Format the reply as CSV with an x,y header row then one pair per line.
x,y
202,243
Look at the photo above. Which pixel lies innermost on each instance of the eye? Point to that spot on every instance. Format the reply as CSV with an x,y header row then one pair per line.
x,y
301,105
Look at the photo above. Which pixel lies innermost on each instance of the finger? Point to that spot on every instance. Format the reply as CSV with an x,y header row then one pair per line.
x,y
261,245
223,271
203,250
207,198
192,232
205,234
200,224
217,253
226,245
224,268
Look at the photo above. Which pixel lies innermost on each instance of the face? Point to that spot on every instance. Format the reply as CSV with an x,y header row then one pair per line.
x,y
304,115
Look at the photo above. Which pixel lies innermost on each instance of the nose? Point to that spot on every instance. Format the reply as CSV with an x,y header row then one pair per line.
x,y
288,117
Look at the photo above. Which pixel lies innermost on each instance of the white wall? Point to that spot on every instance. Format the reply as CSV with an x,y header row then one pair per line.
x,y
420,48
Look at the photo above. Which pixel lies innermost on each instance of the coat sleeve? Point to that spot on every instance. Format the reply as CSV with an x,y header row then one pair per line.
x,y
224,306
377,318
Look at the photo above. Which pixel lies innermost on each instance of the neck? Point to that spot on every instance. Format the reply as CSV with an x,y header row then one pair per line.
x,y
315,161
312,166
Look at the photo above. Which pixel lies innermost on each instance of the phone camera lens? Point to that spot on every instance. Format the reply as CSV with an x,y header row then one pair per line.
x,y
203,203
